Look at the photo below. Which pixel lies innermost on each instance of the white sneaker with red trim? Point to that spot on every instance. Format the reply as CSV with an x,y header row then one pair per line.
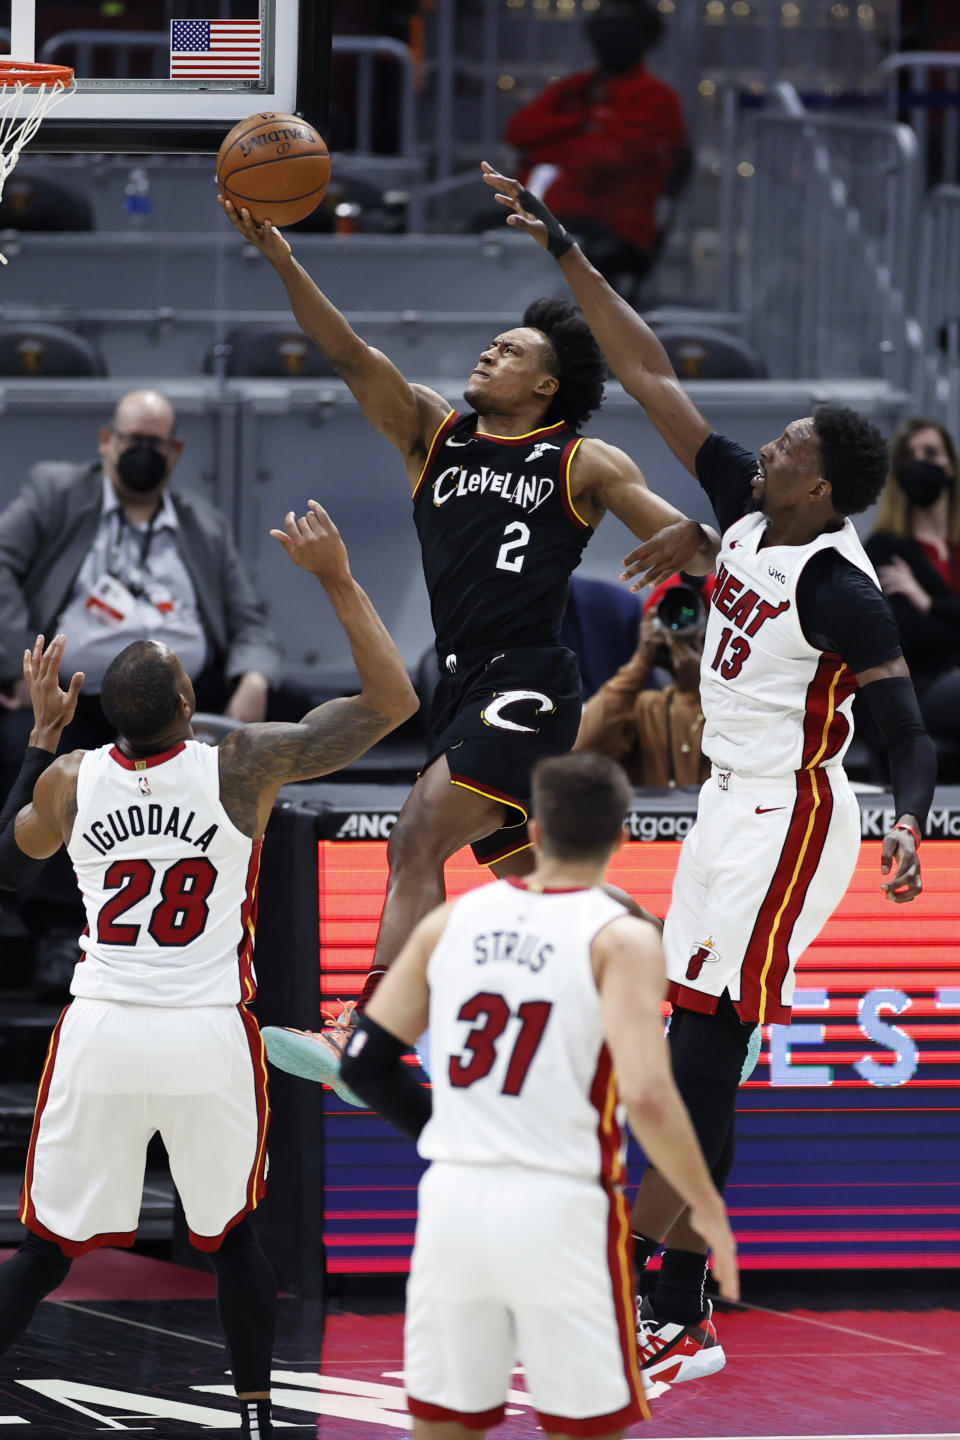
x,y
672,1352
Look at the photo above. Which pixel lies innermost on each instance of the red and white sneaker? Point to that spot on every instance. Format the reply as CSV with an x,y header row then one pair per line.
x,y
672,1352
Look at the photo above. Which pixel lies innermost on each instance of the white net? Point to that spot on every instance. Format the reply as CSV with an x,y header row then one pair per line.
x,y
23,108
22,111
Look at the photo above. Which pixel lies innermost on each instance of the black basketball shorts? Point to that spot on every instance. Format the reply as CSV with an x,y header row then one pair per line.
x,y
494,716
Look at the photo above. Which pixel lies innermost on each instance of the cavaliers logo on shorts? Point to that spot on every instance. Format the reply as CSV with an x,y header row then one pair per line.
x,y
493,713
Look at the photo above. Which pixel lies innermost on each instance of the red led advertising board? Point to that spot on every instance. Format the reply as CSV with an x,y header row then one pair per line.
x,y
848,1132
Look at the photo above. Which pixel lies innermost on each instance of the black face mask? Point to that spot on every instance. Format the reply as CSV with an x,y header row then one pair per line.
x,y
923,482
142,468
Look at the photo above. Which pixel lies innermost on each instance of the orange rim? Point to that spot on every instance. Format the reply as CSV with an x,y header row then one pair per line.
x,y
28,73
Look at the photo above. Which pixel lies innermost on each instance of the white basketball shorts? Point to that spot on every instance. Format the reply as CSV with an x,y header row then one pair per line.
x,y
521,1265
115,1075
760,873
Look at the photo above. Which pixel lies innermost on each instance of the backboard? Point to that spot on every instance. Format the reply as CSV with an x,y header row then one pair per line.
x,y
172,75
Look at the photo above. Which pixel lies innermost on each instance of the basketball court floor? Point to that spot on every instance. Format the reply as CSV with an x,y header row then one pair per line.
x,y
132,1344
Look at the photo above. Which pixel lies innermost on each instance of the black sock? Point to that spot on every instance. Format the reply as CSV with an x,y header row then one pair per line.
x,y
678,1296
247,1302
32,1272
255,1419
644,1250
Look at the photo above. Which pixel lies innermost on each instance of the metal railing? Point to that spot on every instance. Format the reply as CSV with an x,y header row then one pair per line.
x,y
936,377
829,232
930,99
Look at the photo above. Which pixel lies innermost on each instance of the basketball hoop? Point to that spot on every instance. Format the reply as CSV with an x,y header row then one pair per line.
x,y
28,91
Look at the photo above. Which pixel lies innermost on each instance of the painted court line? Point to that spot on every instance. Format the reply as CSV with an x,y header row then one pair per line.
x,y
138,1324
843,1330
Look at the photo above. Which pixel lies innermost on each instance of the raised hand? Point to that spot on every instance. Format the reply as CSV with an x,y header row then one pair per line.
x,y
670,550
53,708
265,237
508,195
313,542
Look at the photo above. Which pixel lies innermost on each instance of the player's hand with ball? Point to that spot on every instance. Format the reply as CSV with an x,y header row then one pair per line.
x,y
265,237
313,542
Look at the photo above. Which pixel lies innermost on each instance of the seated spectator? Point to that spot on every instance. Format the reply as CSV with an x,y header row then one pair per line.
x,y
107,554
916,550
600,627
607,148
655,734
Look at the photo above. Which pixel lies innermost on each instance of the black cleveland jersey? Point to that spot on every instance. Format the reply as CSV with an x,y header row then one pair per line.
x,y
499,533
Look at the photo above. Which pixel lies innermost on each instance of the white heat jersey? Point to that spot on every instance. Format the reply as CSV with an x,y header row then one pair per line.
x,y
168,881
772,703
520,1069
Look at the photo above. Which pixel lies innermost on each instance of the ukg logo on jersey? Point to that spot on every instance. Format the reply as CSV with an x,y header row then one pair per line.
x,y
526,491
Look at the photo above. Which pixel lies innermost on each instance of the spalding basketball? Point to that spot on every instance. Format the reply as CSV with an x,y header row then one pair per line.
x,y
275,166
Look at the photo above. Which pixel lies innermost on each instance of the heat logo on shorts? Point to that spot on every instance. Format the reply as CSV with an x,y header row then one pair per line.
x,y
492,714
701,954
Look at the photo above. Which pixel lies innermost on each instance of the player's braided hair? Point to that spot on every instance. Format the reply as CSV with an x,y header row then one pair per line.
x,y
139,693
580,802
855,457
577,361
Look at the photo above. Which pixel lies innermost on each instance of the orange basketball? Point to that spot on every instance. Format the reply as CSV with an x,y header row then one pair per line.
x,y
276,166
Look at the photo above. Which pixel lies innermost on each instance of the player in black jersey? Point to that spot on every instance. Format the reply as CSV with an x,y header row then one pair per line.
x,y
505,498
821,470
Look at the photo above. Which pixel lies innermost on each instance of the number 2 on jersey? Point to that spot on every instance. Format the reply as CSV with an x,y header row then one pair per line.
x,y
520,534
482,1040
179,916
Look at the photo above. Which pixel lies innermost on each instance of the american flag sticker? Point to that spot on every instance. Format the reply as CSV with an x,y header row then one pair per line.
x,y
214,49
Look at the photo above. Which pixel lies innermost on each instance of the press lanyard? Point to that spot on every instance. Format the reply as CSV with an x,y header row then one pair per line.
x,y
145,536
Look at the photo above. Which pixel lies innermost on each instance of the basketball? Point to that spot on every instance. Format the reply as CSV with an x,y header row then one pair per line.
x,y
276,166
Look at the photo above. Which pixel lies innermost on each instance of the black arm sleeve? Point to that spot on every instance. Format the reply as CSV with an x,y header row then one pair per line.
x,y
913,758
372,1066
841,610
16,868
726,472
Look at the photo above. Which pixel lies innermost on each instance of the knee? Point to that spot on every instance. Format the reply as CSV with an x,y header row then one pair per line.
x,y
46,1259
412,847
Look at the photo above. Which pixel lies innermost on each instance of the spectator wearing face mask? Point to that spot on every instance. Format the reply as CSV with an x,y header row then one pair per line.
x,y
106,554
916,550
655,734
607,148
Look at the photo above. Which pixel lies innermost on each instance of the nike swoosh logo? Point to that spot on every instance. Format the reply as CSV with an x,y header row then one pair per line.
x,y
766,809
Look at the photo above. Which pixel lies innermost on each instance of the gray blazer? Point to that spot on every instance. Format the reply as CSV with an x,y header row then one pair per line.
x,y
45,535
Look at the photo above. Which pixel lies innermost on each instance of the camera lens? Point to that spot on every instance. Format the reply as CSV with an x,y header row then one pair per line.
x,y
680,610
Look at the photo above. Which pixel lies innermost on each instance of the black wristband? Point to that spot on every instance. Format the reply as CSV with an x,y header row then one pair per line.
x,y
558,241
16,868
373,1067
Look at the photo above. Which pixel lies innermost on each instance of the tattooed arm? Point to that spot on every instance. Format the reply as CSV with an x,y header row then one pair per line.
x,y
257,760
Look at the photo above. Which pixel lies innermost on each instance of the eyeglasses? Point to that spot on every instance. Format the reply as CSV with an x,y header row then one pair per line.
x,y
131,437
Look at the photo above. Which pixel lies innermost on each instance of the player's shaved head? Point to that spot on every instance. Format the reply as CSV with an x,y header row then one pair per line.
x,y
580,803
141,690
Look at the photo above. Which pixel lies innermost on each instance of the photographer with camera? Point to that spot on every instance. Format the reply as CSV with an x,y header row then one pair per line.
x,y
655,734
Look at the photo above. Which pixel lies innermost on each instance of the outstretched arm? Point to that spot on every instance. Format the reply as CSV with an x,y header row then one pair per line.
x,y
407,415
38,813
257,760
633,352
607,479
